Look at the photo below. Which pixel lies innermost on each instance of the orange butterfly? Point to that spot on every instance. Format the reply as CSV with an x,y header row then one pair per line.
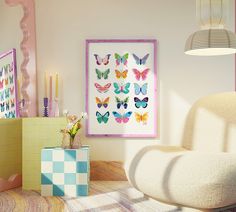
x,y
121,74
141,117
101,103
6,81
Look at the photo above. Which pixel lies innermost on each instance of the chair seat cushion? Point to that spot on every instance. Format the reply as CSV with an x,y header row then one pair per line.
x,y
179,176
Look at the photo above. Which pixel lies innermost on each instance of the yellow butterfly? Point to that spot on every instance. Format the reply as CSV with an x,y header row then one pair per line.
x,y
121,74
141,117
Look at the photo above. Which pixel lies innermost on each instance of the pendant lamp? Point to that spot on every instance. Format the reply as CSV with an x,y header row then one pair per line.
x,y
213,38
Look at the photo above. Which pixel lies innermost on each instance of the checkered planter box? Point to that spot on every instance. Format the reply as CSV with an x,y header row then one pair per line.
x,y
65,172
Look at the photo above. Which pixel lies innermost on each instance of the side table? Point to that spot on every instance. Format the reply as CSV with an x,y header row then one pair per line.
x,y
65,172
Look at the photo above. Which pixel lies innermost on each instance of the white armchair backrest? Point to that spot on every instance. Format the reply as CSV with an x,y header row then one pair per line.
x,y
211,124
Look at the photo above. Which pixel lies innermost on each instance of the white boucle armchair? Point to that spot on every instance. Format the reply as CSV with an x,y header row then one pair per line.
x,y
202,172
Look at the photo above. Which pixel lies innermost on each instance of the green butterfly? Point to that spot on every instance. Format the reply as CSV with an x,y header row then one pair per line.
x,y
102,118
121,59
101,74
121,88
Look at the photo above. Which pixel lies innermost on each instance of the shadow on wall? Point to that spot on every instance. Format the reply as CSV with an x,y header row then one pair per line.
x,y
211,124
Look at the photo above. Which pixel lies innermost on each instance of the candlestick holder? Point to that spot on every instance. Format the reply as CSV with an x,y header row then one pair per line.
x,y
56,109
45,104
51,114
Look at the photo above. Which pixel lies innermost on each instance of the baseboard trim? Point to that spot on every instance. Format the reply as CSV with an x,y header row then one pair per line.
x,y
107,171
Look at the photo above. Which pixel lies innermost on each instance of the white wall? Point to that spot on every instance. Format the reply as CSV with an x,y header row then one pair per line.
x,y
11,34
63,26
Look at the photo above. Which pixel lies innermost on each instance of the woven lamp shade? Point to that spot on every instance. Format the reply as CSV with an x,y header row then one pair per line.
x,y
211,42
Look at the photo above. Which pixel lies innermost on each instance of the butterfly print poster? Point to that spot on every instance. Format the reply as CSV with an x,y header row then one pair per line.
x,y
121,88
8,85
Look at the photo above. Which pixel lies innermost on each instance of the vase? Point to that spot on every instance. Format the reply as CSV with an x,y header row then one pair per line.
x,y
66,143
76,142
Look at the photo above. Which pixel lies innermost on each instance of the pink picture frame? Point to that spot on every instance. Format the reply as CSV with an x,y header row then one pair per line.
x,y
8,85
111,78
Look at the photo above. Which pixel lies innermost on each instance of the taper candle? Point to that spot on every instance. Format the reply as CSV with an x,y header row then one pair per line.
x,y
45,84
18,90
50,88
56,89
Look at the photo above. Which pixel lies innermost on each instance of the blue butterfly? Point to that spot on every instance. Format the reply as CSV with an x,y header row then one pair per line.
x,y
141,103
102,118
2,106
140,89
140,61
122,118
121,88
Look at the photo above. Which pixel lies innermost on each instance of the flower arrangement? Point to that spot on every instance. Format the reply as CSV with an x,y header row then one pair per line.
x,y
71,139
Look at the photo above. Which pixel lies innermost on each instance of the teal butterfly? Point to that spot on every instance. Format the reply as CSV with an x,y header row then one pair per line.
x,y
140,89
121,59
11,79
101,74
141,103
2,105
102,118
121,88
11,114
7,93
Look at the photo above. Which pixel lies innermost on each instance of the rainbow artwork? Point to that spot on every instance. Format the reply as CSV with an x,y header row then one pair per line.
x,y
8,85
121,88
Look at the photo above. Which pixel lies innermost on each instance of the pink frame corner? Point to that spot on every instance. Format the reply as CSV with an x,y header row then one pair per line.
x,y
155,43
28,48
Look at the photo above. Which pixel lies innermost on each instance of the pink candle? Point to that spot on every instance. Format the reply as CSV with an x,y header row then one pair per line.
x,y
50,88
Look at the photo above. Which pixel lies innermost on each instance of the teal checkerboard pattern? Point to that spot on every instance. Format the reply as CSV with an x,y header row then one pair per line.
x,y
65,172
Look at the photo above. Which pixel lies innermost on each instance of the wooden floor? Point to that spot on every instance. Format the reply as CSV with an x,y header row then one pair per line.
x,y
103,196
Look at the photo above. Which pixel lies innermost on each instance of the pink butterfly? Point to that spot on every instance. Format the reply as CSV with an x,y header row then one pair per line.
x,y
122,118
100,60
12,90
102,89
1,84
140,74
